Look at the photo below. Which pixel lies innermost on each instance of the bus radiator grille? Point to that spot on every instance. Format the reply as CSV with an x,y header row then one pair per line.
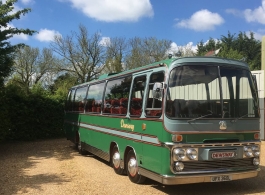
x,y
239,164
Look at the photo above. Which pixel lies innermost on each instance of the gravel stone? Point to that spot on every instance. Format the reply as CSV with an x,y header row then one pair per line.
x,y
51,167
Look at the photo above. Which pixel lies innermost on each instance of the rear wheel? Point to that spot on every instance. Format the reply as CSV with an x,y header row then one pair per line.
x,y
132,169
116,160
81,150
76,141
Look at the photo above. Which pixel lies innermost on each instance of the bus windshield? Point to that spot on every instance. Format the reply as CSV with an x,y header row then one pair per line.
x,y
210,91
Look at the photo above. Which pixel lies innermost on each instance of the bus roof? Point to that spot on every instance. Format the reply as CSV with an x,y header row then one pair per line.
x,y
204,59
168,63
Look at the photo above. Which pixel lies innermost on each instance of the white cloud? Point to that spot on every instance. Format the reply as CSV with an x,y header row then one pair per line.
x,y
257,35
114,10
46,35
202,20
186,50
256,15
27,1
234,12
105,41
21,36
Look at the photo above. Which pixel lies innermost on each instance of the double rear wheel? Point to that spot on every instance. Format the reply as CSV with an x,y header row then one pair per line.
x,y
132,168
116,160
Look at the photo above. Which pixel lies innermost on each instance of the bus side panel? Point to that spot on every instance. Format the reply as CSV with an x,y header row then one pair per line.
x,y
70,126
152,150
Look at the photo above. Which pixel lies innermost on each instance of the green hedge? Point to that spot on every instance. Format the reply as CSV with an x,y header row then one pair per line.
x,y
29,117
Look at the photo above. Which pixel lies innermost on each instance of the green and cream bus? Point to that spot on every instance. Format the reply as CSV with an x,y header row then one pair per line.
x,y
177,121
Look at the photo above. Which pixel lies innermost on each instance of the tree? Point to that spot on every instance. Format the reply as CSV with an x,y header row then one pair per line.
x,y
230,53
115,52
32,66
250,48
240,47
6,32
210,45
146,51
228,41
62,84
83,55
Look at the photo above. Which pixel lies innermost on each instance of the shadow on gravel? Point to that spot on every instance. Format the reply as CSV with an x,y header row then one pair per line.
x,y
17,159
245,186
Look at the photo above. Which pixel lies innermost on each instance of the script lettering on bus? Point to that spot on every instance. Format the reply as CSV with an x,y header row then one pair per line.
x,y
127,126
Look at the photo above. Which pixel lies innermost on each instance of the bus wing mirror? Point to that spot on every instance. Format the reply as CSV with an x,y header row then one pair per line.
x,y
157,90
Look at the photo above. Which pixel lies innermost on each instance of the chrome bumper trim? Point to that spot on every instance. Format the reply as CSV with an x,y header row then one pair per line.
x,y
173,180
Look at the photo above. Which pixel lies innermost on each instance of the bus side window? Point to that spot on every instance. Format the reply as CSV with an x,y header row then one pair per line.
x,y
154,105
94,98
80,96
116,96
137,96
70,101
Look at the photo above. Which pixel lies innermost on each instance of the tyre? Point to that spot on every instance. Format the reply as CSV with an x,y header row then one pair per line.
x,y
132,168
76,141
81,150
116,160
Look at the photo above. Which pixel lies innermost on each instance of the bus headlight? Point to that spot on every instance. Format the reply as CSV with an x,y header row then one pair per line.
x,y
256,161
191,153
256,150
178,154
248,151
179,166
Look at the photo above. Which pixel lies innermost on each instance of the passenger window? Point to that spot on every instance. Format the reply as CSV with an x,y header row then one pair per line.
x,y
69,102
80,96
94,98
116,96
153,105
137,96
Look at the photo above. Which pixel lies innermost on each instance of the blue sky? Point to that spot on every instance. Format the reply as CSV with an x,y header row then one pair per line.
x,y
183,22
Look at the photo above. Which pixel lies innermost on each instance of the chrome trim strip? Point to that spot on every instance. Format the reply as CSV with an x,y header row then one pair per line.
x,y
172,144
137,137
173,180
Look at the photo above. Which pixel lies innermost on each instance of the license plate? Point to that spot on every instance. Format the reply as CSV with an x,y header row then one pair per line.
x,y
217,155
221,178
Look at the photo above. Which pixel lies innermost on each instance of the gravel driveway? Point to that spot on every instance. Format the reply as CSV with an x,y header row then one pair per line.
x,y
53,167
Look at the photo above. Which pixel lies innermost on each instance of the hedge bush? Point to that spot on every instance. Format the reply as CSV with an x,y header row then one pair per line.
x,y
29,117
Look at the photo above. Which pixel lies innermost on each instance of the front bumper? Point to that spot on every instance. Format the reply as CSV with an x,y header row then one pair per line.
x,y
173,180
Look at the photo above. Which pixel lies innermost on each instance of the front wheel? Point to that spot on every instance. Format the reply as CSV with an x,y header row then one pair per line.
x,y
132,169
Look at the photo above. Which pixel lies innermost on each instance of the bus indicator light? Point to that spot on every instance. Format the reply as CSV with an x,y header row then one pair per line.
x,y
143,126
177,138
256,136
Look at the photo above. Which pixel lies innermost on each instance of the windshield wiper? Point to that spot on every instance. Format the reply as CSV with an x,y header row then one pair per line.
x,y
235,120
199,117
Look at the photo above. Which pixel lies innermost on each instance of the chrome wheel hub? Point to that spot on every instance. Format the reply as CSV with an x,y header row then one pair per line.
x,y
132,167
116,160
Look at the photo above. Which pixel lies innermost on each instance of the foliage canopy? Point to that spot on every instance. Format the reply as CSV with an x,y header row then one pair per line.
x,y
6,32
